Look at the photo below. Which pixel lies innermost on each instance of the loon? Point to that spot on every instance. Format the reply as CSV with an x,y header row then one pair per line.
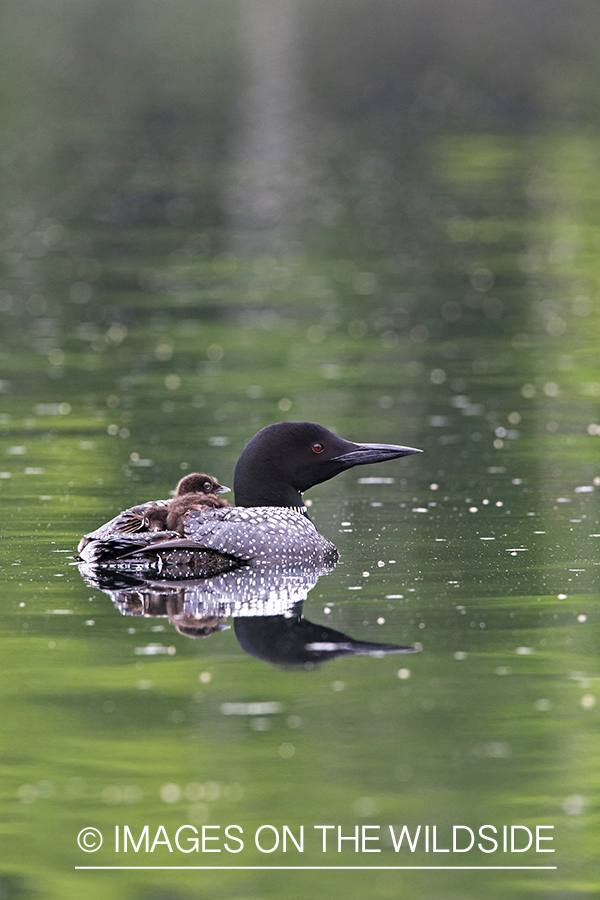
x,y
269,523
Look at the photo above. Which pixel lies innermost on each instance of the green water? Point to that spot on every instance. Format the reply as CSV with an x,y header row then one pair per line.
x,y
463,318
483,551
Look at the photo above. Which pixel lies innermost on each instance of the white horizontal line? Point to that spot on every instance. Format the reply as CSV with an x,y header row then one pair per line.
x,y
311,868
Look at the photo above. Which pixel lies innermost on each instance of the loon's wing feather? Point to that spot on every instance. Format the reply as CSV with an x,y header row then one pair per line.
x,y
125,526
122,524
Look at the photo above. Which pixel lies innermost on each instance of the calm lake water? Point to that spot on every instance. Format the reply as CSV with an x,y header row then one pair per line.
x,y
466,324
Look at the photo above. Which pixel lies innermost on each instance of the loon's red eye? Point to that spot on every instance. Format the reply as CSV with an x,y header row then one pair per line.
x,y
318,448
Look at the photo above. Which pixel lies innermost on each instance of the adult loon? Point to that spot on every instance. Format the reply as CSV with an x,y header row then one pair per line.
x,y
269,524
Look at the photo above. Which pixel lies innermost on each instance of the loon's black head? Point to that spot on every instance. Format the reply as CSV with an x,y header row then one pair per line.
x,y
287,458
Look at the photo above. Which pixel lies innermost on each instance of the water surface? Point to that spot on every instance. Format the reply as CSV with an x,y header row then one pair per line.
x,y
463,320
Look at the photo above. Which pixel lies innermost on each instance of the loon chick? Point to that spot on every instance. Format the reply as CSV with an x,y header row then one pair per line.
x,y
199,483
196,491
269,523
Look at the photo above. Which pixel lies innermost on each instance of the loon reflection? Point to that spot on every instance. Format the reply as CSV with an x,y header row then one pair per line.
x,y
265,604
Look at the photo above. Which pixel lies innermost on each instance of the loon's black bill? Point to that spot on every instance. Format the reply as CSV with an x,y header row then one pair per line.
x,y
372,453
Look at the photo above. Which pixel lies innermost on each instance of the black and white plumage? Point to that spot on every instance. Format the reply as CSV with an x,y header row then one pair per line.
x,y
262,534
269,524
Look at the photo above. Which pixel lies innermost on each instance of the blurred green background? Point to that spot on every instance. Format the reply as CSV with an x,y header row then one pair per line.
x,y
380,216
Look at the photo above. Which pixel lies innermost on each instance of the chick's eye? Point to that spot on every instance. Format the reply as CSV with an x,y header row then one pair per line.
x,y
206,487
318,448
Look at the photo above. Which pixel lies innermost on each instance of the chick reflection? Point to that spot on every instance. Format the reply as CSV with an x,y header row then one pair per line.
x,y
264,602
151,604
